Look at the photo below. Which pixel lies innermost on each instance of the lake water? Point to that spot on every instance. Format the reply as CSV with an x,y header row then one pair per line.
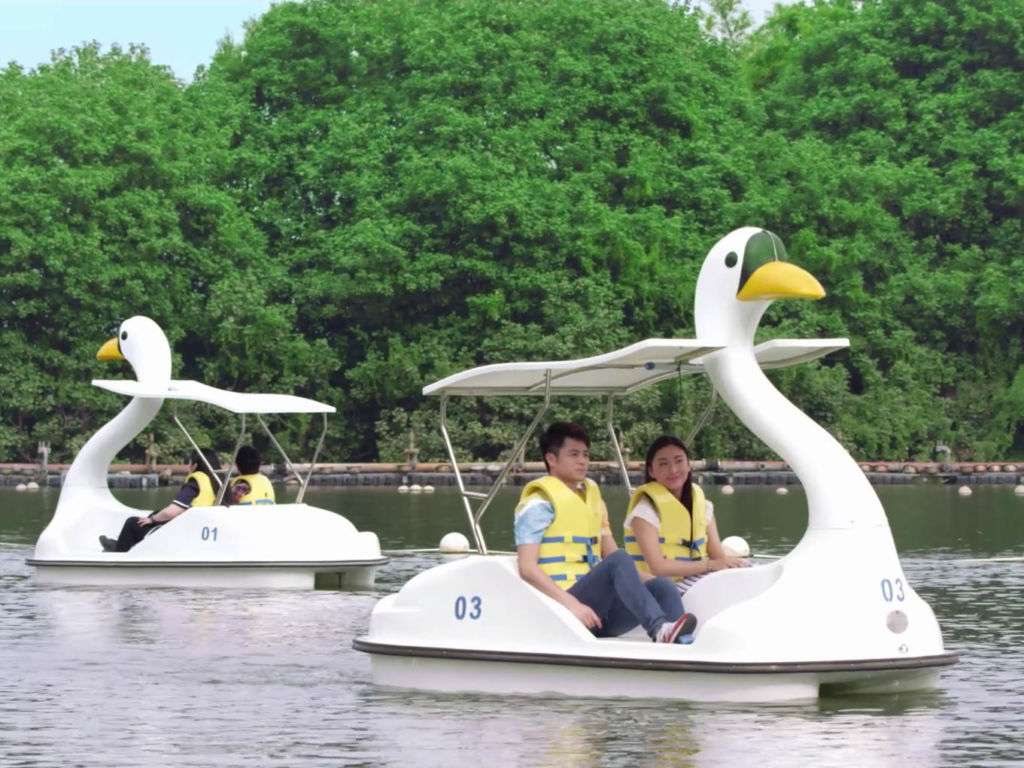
x,y
164,677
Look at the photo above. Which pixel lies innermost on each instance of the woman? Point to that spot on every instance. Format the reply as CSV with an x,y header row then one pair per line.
x,y
197,491
670,527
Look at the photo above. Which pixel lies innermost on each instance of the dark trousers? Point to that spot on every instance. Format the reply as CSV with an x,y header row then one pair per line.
x,y
616,593
132,533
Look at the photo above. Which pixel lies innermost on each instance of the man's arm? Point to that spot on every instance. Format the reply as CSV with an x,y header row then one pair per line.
x,y
530,570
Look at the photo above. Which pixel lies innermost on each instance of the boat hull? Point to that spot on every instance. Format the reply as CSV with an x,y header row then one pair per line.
x,y
286,546
460,671
475,626
352,574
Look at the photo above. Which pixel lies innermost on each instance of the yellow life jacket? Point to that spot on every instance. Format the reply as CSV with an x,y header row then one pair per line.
x,y
570,547
682,536
260,489
206,497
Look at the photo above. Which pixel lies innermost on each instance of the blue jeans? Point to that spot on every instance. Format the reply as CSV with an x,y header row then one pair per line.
x,y
616,593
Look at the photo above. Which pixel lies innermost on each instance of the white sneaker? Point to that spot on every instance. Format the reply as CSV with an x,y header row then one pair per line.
x,y
671,631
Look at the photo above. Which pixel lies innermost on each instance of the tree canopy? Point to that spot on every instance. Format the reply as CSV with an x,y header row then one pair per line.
x,y
360,198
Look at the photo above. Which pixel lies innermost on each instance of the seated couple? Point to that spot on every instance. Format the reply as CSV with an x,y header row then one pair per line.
x,y
566,550
248,487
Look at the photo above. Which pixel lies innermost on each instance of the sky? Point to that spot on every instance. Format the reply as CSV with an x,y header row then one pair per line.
x,y
179,33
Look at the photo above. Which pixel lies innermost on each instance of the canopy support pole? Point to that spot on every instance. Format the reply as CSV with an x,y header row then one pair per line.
x,y
474,519
312,462
703,420
231,464
199,453
520,446
287,462
478,537
615,444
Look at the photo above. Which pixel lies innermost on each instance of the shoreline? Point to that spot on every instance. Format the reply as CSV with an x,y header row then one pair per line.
x,y
440,474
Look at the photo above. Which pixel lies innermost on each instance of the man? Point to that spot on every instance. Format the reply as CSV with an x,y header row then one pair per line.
x,y
560,521
250,486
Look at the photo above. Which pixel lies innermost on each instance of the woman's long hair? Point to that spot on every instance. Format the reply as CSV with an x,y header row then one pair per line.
x,y
656,446
211,457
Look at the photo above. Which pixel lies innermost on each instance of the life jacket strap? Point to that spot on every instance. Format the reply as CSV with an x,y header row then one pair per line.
x,y
632,539
572,539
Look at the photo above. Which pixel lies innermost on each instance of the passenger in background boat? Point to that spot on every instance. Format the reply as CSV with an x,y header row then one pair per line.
x,y
670,527
560,521
250,487
197,491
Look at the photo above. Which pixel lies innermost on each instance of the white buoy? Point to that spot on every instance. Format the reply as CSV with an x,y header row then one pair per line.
x,y
1018,490
782,490
1010,468
963,490
21,487
428,489
415,488
736,546
32,485
454,543
403,488
728,490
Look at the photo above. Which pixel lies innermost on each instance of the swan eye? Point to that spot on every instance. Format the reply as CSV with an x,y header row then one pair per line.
x,y
124,335
730,259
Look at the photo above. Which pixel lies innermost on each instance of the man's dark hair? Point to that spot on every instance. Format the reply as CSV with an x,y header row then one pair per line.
x,y
211,459
248,460
554,437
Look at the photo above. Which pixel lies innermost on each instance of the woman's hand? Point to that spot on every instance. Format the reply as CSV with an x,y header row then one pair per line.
x,y
144,521
728,561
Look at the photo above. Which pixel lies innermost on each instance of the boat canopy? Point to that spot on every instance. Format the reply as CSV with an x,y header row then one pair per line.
x,y
241,403
609,376
236,402
620,372
782,353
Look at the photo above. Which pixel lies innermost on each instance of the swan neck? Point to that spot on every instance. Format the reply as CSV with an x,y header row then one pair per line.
x,y
92,463
838,493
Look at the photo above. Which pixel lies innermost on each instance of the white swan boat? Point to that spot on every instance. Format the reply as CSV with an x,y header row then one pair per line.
x,y
268,545
836,613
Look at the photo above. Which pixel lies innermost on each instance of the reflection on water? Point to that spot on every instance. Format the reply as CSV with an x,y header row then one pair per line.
x,y
168,677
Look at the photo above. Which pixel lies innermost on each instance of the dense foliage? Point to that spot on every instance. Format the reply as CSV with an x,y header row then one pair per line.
x,y
360,198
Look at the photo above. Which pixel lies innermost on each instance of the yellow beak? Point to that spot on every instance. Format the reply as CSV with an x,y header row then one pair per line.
x,y
780,280
110,351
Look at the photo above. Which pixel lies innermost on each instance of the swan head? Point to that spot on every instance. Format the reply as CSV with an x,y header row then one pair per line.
x,y
742,274
143,344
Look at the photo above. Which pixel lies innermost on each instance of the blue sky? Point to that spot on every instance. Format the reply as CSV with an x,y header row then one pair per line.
x,y
179,33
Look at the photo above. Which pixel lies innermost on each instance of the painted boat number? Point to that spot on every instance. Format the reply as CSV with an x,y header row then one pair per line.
x,y
888,592
208,534
475,606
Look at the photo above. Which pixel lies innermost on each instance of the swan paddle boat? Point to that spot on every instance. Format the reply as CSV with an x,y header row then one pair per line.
x,y
836,613
264,545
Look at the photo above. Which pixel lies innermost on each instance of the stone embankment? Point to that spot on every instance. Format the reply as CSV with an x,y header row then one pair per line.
x,y
708,472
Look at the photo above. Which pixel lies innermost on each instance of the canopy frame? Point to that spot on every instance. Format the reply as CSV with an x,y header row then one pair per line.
x,y
777,353
202,456
475,516
610,422
222,484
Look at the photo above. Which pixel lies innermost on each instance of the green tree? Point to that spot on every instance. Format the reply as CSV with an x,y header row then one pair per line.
x,y
112,203
450,184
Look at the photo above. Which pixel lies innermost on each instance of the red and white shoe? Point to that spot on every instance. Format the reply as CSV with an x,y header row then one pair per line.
x,y
671,631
